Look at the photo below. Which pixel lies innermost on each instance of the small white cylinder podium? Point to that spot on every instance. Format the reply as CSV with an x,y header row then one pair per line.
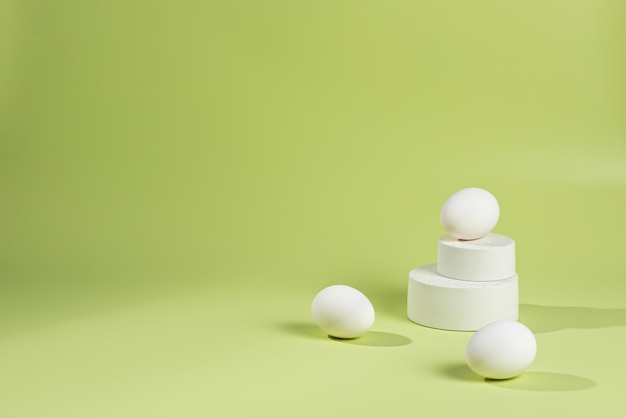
x,y
491,257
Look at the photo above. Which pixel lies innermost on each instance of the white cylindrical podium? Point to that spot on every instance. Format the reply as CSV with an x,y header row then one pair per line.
x,y
460,305
489,258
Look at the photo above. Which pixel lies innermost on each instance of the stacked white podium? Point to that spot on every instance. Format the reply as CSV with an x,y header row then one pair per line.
x,y
473,282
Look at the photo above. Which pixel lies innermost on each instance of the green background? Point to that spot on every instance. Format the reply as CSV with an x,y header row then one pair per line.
x,y
179,179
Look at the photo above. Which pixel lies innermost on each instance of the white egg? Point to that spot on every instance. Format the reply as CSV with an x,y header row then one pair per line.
x,y
501,350
342,311
470,213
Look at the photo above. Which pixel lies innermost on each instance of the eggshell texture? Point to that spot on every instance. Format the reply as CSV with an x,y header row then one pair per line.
x,y
342,311
501,350
470,213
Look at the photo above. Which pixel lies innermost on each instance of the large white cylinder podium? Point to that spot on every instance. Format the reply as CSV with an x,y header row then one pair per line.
x,y
473,283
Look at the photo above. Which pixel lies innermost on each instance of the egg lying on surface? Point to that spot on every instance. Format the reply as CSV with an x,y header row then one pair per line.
x,y
501,350
342,311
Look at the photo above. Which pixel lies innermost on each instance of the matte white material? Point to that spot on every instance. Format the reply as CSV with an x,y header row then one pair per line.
x,y
501,350
470,213
440,302
485,259
342,311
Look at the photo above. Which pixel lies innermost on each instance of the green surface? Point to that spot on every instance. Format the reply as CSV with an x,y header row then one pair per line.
x,y
179,179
